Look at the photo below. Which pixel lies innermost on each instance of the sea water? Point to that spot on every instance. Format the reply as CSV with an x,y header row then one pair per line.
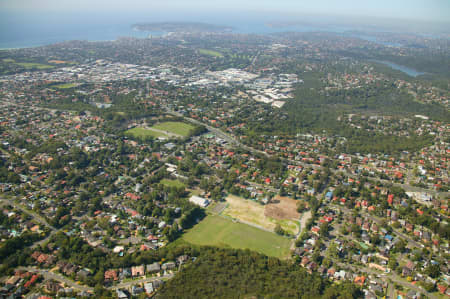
x,y
20,30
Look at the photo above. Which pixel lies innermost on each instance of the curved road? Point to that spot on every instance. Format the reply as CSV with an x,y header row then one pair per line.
x,y
379,222
392,276
58,277
219,133
38,218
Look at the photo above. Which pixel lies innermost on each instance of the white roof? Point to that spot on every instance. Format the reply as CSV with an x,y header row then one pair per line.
x,y
203,202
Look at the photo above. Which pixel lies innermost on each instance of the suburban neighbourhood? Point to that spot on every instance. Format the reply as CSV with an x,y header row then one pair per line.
x,y
117,164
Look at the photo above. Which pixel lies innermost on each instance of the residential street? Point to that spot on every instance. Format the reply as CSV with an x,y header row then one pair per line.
x,y
36,217
130,283
58,277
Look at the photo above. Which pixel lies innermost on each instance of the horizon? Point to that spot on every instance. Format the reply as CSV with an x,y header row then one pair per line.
x,y
388,24
25,24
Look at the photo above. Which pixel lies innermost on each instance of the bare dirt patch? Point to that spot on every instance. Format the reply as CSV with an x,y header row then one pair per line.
x,y
282,208
253,213
247,211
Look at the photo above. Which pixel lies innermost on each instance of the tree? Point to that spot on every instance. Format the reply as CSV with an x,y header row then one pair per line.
x,y
429,287
393,264
375,239
301,206
216,193
324,229
279,230
356,230
282,191
316,257
99,278
400,246
332,251
433,270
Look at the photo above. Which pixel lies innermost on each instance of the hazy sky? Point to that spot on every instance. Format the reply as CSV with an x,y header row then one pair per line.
x,y
430,10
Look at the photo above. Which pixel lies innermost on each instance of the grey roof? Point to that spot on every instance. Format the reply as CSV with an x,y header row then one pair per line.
x,y
155,267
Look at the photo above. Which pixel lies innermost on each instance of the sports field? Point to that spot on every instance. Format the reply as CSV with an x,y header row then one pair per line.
x,y
142,133
33,65
61,62
65,85
172,183
174,127
267,216
218,231
210,52
28,65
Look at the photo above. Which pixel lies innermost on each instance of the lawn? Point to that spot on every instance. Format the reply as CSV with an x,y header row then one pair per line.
x,y
175,127
61,62
143,133
172,183
65,85
222,232
33,65
210,52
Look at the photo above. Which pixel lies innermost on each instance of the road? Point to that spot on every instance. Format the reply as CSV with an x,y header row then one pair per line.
x,y
38,218
378,221
390,291
232,140
49,275
253,61
303,220
218,133
274,190
35,216
124,285
392,276
68,282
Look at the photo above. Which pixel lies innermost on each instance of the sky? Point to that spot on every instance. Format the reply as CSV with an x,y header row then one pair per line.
x,y
421,10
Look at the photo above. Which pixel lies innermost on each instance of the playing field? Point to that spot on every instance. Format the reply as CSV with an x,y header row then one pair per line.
x,y
33,65
210,52
61,62
174,127
218,231
142,133
65,85
248,211
172,183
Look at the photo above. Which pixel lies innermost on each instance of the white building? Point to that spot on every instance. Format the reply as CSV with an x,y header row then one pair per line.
x,y
200,201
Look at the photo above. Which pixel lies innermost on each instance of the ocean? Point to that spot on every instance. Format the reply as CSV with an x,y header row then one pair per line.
x,y
31,30
19,30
